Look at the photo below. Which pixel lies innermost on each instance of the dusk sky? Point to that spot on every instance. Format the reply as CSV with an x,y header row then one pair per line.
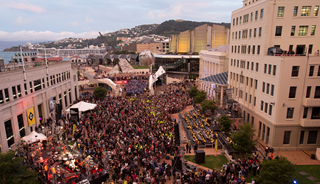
x,y
35,20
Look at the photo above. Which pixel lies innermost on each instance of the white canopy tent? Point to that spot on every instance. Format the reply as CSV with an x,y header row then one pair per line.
x,y
83,106
34,136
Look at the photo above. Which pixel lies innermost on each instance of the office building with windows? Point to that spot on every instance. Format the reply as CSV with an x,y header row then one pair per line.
x,y
279,91
24,100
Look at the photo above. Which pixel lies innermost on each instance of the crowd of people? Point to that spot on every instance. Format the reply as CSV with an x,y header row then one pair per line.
x,y
136,87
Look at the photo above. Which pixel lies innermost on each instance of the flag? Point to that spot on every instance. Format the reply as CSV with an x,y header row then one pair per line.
x,y
216,145
30,116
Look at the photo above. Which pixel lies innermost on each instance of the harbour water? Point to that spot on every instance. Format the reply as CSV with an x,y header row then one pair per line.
x,y
8,55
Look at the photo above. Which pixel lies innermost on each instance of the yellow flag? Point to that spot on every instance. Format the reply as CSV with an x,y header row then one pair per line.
x,y
30,116
74,128
216,145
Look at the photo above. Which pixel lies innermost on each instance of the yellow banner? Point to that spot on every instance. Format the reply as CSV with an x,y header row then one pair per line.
x,y
30,116
216,145
74,128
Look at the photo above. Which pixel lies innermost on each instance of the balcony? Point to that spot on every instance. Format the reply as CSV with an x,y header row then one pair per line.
x,y
309,102
310,123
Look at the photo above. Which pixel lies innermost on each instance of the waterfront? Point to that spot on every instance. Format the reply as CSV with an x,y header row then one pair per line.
x,y
7,56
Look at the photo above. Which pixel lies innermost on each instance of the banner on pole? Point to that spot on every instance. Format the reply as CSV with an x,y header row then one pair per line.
x,y
30,115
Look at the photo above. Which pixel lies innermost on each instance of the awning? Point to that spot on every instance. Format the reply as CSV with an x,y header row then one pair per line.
x,y
220,79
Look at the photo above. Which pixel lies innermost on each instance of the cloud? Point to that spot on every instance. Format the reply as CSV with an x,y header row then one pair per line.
x,y
88,19
74,23
150,15
24,6
44,35
21,21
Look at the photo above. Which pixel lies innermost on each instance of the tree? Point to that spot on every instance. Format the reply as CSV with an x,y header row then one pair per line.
x,y
226,123
278,170
12,171
100,92
207,105
243,141
78,72
201,95
193,91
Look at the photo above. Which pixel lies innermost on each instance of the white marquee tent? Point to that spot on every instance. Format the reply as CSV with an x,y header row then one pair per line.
x,y
83,106
34,136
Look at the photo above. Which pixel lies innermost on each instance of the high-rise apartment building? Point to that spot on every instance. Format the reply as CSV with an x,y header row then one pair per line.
x,y
279,93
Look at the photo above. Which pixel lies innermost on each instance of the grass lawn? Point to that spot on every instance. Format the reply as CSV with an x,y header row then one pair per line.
x,y
140,67
211,161
312,170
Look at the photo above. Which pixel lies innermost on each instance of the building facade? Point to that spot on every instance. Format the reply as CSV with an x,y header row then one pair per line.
x,y
200,38
21,95
279,93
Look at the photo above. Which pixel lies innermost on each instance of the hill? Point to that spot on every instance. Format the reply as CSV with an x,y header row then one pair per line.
x,y
176,26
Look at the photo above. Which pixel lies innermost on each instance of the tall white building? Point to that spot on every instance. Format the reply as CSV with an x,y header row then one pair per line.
x,y
19,96
279,93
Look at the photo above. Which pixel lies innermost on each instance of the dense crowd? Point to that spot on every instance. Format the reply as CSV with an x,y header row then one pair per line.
x,y
136,87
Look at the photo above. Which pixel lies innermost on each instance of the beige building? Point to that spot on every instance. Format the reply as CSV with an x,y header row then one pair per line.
x,y
156,48
19,96
212,62
279,93
200,38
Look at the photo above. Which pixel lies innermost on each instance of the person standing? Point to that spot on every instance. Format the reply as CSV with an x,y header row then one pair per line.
x,y
187,147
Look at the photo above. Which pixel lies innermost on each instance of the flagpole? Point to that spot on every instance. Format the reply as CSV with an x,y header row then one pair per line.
x,y
45,56
24,70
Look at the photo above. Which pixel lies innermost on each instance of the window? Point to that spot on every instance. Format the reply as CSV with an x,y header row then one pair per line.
x,y
301,137
237,21
316,10
246,18
239,34
255,32
290,113
1,97
25,89
232,35
250,98
47,81
303,30
253,49
235,49
243,49
293,30
6,94
315,113
263,132
311,71
268,88
270,68
258,49
251,83
292,92
263,86
265,68
70,96
236,35
9,132
260,31
270,110
280,11
256,81
295,11
274,70
14,92
43,84
233,22
295,71
248,65
245,33
305,112
286,137
272,90
278,30
261,107
249,47
237,63
257,67
19,90
251,16
231,61
239,49
246,97
65,99
261,13
312,138
268,134
313,29
21,126
308,92
240,19
259,128
254,101
319,71
37,85
266,107
250,33
317,92
310,49
305,11
256,17
252,65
